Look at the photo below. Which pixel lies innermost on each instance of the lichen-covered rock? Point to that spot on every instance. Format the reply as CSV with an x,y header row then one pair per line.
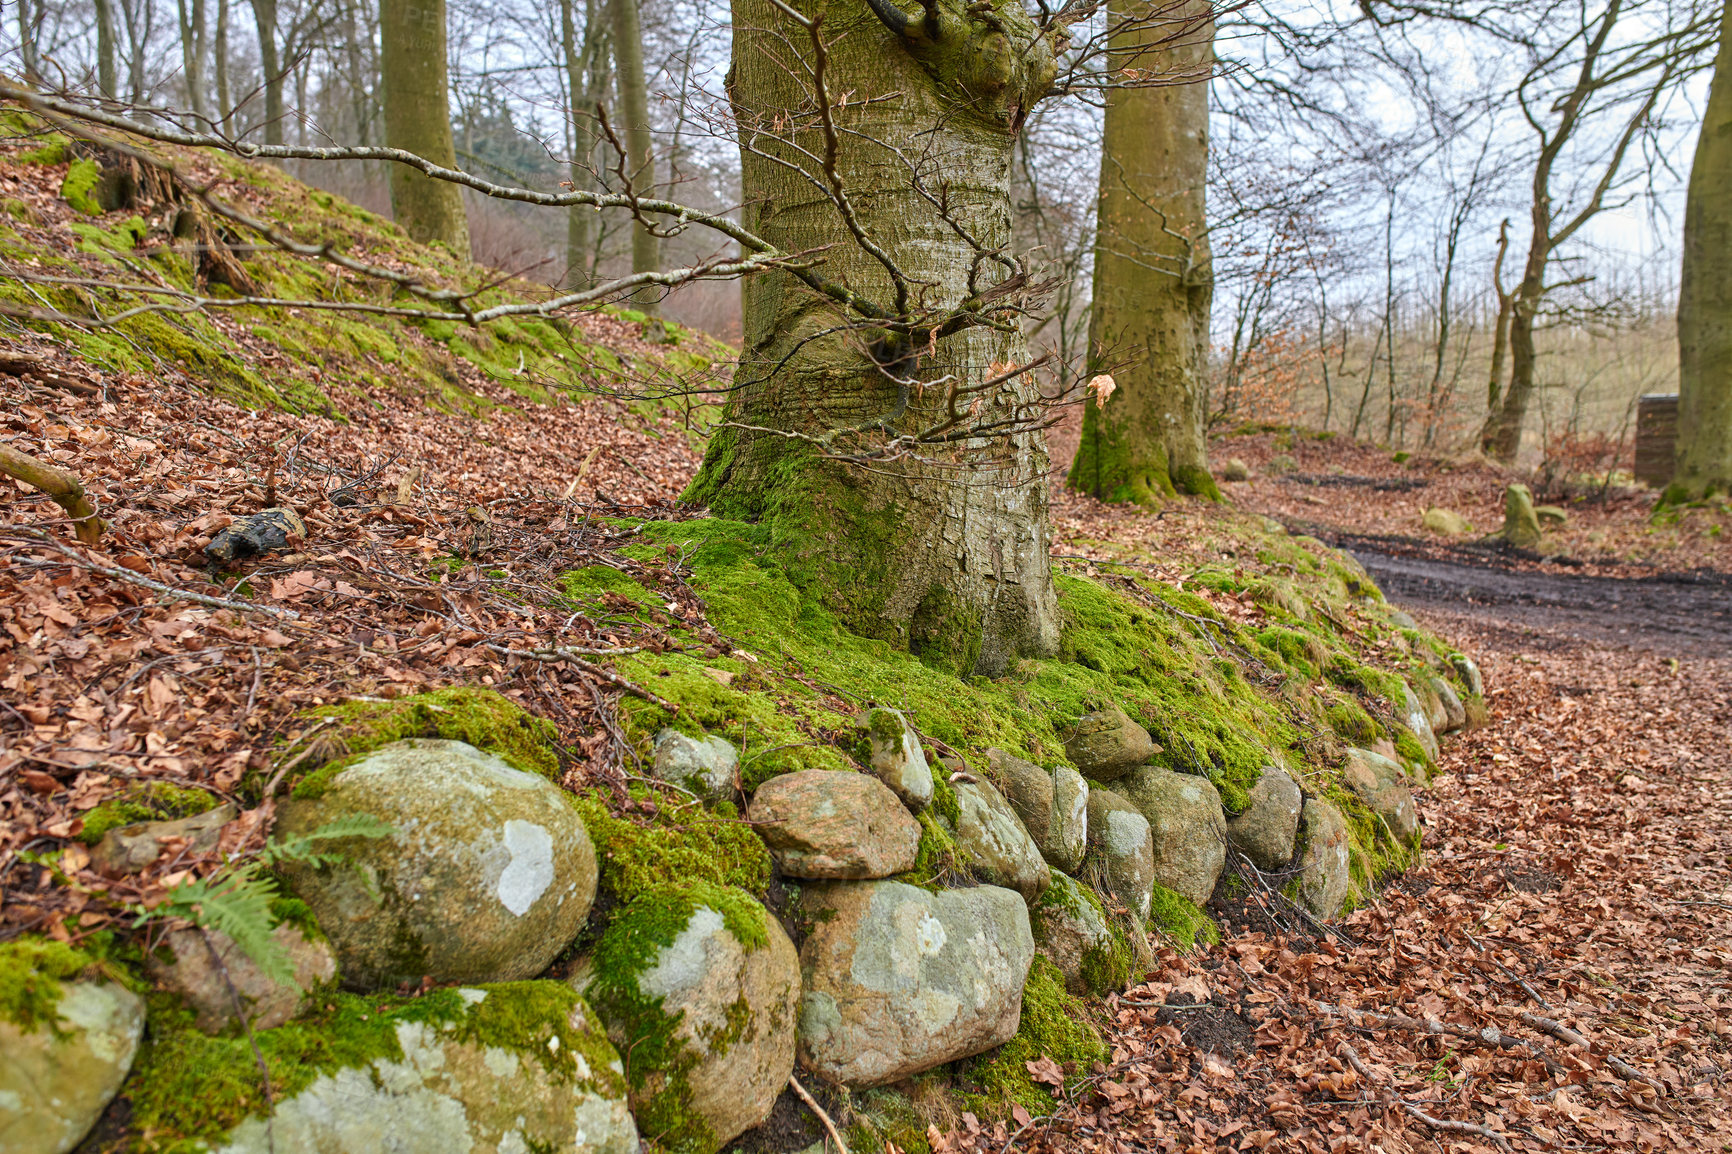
x,y
131,848
487,874
1425,692
1454,713
701,988
899,979
1121,853
202,972
894,756
523,1066
705,766
57,1074
1187,828
1415,717
1383,788
1323,881
1071,929
1469,673
1053,805
822,823
1234,470
1265,831
1553,515
993,843
1108,744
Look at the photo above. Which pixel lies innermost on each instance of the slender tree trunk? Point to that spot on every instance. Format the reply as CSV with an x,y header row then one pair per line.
x,y
192,55
584,94
270,61
1705,299
640,164
1149,326
29,19
1502,436
135,41
418,119
106,80
944,551
224,97
1500,329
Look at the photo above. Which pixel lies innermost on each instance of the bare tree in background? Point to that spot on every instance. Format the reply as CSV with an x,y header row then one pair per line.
x,y
418,120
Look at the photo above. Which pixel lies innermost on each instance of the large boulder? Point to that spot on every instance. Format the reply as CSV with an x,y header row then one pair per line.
x,y
899,979
1072,930
993,843
58,1072
1053,806
1121,853
487,873
1413,715
1323,881
1425,692
128,849
705,766
824,823
701,988
211,974
492,1070
1187,827
1108,744
1265,831
1521,525
894,756
1383,788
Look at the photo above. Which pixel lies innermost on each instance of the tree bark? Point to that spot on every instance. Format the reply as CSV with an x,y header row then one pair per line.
x,y
1705,299
192,54
106,80
584,94
640,165
418,119
944,551
220,53
265,17
1149,325
1502,436
1500,328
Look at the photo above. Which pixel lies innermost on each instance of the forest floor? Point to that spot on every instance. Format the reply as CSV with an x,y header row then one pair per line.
x,y
1576,886
1578,871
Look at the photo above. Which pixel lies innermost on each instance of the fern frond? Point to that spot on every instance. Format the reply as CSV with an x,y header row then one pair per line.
x,y
235,902
302,848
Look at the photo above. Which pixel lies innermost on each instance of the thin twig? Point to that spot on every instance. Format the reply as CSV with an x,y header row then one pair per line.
x,y
812,1104
157,586
607,675
1570,1037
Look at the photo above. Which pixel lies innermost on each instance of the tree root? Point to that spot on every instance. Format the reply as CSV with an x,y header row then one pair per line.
x,y
1446,1124
1569,1037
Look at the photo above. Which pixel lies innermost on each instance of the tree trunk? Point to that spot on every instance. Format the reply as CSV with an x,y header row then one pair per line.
x,y
640,164
106,80
1705,299
192,54
1500,329
418,120
944,551
29,18
135,40
265,17
224,98
1502,436
1149,326
584,94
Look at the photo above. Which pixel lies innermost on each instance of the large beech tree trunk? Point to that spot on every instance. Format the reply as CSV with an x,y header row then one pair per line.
x,y
947,555
1705,299
1149,326
418,119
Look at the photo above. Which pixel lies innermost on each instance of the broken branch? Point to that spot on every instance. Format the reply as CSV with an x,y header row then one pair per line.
x,y
65,489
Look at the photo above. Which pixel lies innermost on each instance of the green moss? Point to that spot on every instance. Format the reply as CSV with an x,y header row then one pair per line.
x,y
154,801
31,972
1413,754
587,585
657,1058
1351,722
944,802
1104,967
682,840
1181,919
481,717
1296,650
54,149
79,188
189,1089
121,237
1055,1025
938,861
1374,853
1196,481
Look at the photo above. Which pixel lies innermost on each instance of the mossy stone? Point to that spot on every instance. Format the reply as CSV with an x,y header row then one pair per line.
x,y
1266,830
994,845
211,974
1073,932
1187,828
1121,853
1323,882
1382,786
1108,744
487,875
58,1073
1054,1025
828,824
892,752
1052,803
700,991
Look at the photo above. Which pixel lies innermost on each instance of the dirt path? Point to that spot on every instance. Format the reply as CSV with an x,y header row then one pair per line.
x,y
1578,870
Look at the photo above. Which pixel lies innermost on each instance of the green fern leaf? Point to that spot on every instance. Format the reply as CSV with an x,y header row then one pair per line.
x,y
237,903
302,848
